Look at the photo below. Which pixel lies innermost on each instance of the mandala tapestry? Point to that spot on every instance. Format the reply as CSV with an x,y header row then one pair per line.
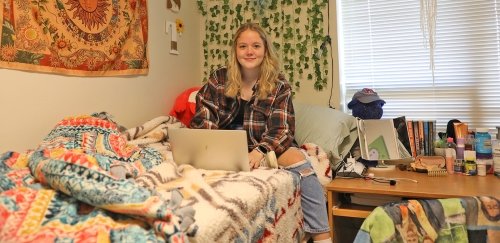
x,y
75,37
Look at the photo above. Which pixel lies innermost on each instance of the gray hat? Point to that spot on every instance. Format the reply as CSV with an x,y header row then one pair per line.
x,y
365,95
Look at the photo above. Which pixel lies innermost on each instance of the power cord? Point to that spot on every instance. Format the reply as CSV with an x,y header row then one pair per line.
x,y
344,165
331,56
390,181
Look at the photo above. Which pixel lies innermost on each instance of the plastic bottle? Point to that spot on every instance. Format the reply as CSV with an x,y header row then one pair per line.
x,y
451,155
496,154
469,142
481,167
460,148
459,162
483,144
470,168
484,153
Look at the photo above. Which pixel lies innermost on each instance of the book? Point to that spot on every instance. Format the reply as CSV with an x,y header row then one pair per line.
x,y
422,135
415,136
384,139
411,137
432,134
426,137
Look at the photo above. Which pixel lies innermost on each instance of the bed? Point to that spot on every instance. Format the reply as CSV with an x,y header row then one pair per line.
x,y
91,180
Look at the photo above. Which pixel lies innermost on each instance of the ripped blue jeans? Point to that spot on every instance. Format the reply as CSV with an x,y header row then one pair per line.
x,y
312,197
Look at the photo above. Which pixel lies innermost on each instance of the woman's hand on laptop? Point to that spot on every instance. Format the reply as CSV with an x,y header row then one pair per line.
x,y
254,158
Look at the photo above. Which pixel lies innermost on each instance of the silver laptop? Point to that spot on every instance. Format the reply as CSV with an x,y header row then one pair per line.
x,y
210,149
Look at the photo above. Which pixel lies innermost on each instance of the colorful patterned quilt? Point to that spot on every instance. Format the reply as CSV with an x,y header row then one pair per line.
x,y
470,219
90,180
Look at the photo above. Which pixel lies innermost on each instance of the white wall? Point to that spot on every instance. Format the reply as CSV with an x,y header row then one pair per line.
x,y
32,103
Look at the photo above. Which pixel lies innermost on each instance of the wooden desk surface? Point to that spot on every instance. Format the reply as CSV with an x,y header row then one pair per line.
x,y
427,187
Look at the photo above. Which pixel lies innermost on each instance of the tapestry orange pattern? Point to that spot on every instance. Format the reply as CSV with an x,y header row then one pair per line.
x,y
75,37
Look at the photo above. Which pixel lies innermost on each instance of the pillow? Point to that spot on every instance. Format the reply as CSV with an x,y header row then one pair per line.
x,y
332,130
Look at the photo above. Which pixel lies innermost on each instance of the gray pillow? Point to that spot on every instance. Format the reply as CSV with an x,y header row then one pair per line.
x,y
334,131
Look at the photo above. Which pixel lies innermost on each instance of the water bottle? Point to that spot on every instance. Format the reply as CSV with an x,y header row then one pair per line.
x,y
483,144
451,155
484,153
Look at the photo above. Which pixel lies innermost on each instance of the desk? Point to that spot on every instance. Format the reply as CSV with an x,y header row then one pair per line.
x,y
427,187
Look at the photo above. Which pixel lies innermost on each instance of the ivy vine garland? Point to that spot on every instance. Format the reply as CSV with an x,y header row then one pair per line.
x,y
297,28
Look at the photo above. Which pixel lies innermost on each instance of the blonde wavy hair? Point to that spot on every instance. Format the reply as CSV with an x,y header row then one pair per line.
x,y
269,68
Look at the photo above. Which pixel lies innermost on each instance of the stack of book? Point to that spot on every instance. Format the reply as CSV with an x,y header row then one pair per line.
x,y
396,138
422,135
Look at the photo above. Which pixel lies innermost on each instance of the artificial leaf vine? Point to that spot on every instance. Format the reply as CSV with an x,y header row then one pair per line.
x,y
297,28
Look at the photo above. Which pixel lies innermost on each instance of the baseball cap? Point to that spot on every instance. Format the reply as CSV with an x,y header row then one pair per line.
x,y
365,95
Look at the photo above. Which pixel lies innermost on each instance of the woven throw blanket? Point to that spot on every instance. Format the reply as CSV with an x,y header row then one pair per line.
x,y
154,134
258,206
84,38
468,219
64,190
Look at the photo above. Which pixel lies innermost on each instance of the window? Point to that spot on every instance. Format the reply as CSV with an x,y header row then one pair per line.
x,y
381,46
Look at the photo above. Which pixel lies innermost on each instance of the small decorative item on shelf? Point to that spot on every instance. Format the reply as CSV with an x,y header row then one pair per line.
x,y
437,172
424,164
440,147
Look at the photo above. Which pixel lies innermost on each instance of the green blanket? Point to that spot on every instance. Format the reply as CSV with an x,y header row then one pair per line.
x,y
469,219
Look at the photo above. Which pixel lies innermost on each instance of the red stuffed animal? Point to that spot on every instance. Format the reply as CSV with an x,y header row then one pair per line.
x,y
185,105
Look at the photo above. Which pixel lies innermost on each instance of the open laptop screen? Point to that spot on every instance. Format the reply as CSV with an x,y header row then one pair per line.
x,y
210,149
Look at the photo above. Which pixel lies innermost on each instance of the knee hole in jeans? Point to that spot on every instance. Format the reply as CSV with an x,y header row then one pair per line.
x,y
306,172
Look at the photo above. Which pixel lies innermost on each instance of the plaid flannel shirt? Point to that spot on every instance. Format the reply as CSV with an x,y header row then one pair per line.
x,y
270,123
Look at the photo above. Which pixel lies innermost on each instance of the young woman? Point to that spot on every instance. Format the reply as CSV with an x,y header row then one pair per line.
x,y
251,94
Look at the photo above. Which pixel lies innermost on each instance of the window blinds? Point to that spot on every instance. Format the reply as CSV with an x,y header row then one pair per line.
x,y
382,47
